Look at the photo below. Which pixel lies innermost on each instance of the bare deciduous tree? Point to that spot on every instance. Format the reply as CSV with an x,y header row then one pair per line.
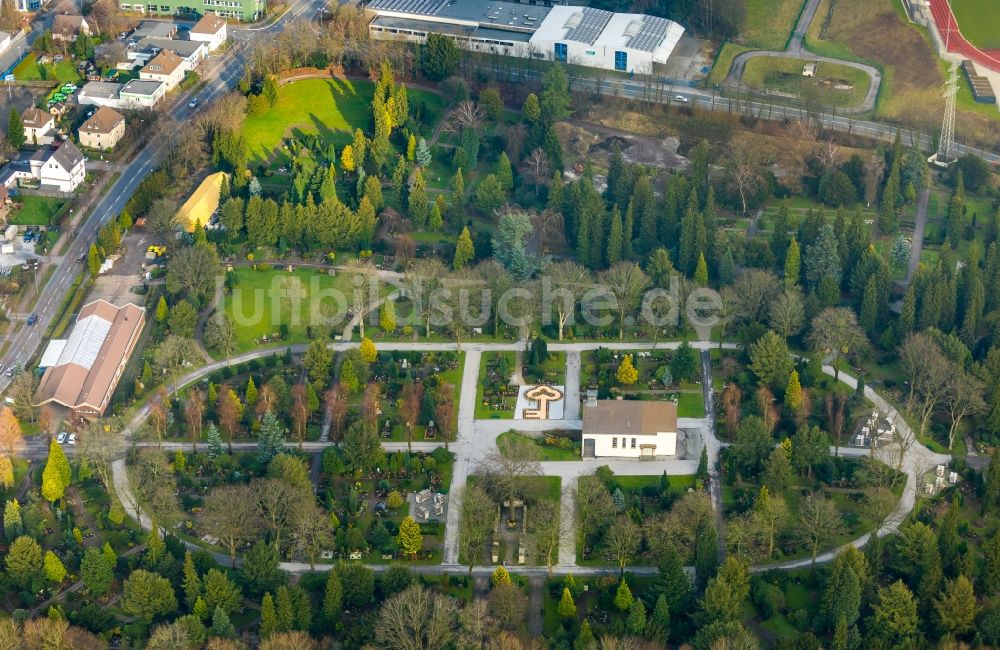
x,y
335,401
194,410
621,541
537,166
626,282
819,520
479,513
466,115
231,515
569,281
550,529
744,165
101,444
963,395
417,619
927,369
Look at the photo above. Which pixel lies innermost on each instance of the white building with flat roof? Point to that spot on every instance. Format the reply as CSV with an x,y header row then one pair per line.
x,y
578,35
602,39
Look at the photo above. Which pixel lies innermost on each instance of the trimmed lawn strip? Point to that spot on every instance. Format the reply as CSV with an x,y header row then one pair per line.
x,y
784,75
546,452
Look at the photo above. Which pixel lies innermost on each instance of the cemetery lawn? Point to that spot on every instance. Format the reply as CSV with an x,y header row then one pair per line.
x,y
262,301
333,108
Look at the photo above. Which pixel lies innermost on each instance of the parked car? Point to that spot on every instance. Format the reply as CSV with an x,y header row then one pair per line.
x,y
72,439
61,438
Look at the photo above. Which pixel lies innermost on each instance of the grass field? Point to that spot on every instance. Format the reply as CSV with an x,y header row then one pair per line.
x,y
263,301
37,211
769,23
878,33
331,107
784,75
724,61
979,21
30,70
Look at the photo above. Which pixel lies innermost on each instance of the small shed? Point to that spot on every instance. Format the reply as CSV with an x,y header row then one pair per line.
x,y
809,70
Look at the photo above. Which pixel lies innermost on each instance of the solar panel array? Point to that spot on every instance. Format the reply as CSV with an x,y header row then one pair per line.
x,y
591,25
424,7
652,33
85,342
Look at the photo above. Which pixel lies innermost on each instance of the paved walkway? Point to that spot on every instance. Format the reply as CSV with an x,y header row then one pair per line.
x,y
917,245
476,439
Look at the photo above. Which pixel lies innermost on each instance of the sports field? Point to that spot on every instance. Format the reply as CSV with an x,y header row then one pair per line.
x,y
330,107
979,21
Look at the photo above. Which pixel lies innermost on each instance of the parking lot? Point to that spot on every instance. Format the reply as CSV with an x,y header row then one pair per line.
x,y
22,253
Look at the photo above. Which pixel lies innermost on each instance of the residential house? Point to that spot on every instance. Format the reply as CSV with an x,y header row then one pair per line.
x,y
29,5
210,29
166,67
142,51
67,28
59,167
139,93
629,428
102,130
58,109
39,126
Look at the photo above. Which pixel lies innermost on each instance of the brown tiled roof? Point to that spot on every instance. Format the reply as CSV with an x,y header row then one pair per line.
x,y
91,363
67,25
209,24
35,118
104,120
163,63
629,417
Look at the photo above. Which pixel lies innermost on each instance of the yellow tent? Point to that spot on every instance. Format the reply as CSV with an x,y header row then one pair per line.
x,y
199,207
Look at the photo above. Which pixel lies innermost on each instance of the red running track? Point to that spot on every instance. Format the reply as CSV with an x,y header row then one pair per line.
x,y
945,20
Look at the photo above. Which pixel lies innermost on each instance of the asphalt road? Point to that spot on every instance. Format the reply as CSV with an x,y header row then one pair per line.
x,y
713,101
221,75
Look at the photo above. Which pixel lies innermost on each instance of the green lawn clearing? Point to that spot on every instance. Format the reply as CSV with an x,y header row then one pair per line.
x,y
690,405
677,482
834,85
724,61
29,69
546,451
769,23
979,21
37,211
333,108
304,301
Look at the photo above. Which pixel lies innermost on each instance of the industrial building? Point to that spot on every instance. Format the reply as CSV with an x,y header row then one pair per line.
x,y
579,35
81,372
